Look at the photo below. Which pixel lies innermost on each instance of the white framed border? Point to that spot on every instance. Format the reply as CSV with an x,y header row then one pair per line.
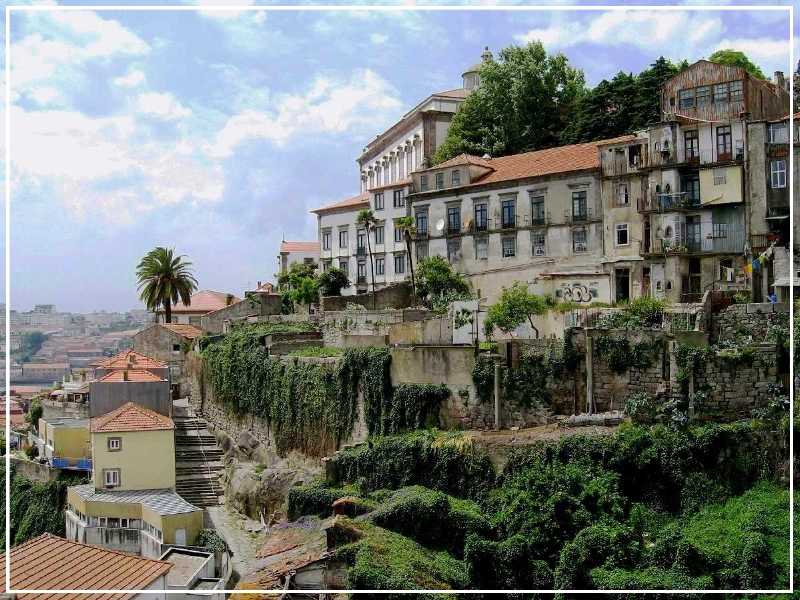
x,y
10,9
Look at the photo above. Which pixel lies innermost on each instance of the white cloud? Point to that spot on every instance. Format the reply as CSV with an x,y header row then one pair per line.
x,y
103,167
162,105
133,78
645,29
762,51
59,44
378,38
226,14
329,106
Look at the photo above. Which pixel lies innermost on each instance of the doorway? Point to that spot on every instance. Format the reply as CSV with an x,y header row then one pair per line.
x,y
622,285
645,281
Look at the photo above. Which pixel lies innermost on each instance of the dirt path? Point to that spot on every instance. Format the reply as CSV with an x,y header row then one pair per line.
x,y
242,535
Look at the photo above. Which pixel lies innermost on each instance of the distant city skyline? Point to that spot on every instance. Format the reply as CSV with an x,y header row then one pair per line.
x,y
215,133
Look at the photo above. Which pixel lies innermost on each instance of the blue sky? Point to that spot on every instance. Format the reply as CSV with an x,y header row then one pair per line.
x,y
217,132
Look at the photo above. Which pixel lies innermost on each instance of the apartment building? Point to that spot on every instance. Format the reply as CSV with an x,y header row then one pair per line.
x,y
695,205
535,217
130,504
385,168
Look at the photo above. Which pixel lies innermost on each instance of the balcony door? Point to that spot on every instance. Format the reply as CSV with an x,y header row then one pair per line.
x,y
693,238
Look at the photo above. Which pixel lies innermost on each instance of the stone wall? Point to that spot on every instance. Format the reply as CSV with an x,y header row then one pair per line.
x,y
399,295
33,470
746,319
256,304
340,327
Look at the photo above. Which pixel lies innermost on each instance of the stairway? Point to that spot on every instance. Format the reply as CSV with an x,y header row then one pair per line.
x,y
198,459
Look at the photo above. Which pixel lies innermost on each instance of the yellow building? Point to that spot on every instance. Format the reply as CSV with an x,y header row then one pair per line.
x,y
133,448
131,504
65,443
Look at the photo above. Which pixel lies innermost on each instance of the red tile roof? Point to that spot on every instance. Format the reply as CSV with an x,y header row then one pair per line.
x,y
456,93
307,247
188,331
205,301
128,359
394,184
48,562
362,200
465,159
539,163
132,375
131,417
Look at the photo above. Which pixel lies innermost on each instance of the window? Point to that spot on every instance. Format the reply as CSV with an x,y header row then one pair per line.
x,y
344,265
481,216
453,250
720,93
439,181
509,247
399,264
686,98
621,238
124,523
398,199
690,186
343,238
537,210
579,206
398,234
423,183
361,271
724,142
778,133
379,231
482,248
326,240
719,177
623,198
422,222
380,265
720,230
737,91
326,265
114,444
409,158
422,250
455,178
508,213
111,477
703,95
691,144
777,173
176,348
453,219
379,201
361,242
538,243
579,241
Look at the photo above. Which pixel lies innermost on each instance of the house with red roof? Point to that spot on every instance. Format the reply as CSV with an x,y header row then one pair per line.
x,y
292,252
202,302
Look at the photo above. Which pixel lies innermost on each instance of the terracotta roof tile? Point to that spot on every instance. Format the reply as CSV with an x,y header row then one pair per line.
x,y
131,417
354,202
130,359
132,375
205,301
48,562
394,184
309,247
188,331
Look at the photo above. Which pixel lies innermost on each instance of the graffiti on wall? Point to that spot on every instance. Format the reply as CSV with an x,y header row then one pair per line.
x,y
577,292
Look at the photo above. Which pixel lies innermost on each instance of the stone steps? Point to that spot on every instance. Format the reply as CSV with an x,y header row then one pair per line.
x,y
198,461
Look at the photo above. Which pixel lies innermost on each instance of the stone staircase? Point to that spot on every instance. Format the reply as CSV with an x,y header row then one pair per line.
x,y
198,459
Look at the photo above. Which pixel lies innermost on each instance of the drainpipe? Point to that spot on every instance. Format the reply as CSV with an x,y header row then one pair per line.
x,y
589,375
497,396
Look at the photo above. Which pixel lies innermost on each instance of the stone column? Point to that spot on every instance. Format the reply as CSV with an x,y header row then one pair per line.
x,y
589,375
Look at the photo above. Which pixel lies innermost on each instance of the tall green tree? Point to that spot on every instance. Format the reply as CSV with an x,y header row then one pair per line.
x,y
409,229
366,219
164,279
440,284
525,99
736,58
515,306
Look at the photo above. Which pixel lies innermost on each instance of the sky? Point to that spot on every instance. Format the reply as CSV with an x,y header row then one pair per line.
x,y
216,132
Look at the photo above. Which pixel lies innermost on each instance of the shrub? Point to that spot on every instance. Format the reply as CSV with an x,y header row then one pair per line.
x,y
595,546
332,281
508,564
641,407
315,499
211,540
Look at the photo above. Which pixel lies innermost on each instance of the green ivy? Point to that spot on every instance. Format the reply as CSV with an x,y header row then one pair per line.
x,y
410,406
621,355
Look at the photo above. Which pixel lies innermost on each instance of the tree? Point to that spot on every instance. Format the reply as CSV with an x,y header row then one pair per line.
x,y
304,291
409,229
515,306
366,219
525,100
298,285
35,412
296,271
165,278
332,281
735,58
440,284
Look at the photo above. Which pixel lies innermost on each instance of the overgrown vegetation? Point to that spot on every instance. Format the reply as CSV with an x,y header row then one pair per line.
x,y
515,306
621,355
648,507
439,285
642,313
318,352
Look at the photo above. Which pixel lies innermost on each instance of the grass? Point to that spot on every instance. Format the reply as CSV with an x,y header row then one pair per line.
x,y
318,352
718,530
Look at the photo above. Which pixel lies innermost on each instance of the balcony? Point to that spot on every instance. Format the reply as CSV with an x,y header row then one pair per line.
x,y
361,251
73,464
732,241
453,229
584,216
657,202
361,280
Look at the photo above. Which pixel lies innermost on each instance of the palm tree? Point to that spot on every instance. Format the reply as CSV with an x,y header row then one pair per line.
x,y
409,231
165,278
366,219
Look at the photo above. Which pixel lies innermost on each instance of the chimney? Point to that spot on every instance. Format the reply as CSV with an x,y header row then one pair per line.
x,y
125,376
779,80
228,299
259,285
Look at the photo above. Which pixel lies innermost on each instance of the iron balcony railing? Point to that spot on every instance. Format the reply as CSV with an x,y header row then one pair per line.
x,y
361,251
728,240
